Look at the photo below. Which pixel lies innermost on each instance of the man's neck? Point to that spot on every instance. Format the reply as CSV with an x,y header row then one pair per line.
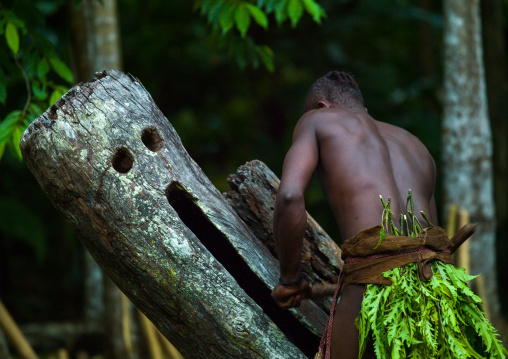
x,y
354,107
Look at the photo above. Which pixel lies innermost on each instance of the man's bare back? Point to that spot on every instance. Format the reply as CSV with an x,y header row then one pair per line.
x,y
361,159
356,159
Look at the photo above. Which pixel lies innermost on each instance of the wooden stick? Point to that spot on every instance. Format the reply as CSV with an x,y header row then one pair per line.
x,y
323,290
462,235
126,326
169,348
151,338
481,289
451,224
13,333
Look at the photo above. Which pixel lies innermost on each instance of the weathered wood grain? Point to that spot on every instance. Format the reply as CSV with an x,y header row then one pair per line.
x,y
113,165
253,190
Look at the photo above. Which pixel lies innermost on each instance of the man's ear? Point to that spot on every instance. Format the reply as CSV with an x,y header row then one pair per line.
x,y
322,104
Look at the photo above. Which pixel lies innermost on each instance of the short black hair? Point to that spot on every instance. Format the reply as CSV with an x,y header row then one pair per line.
x,y
337,87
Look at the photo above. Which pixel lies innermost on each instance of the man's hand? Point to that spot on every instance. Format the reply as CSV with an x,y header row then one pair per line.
x,y
291,296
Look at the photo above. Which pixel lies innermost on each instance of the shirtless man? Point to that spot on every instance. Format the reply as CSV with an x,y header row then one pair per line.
x,y
356,159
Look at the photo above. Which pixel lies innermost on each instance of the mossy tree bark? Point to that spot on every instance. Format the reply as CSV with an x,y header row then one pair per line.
x,y
113,165
467,138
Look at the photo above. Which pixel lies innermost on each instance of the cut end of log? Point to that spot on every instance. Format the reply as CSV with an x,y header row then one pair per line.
x,y
66,105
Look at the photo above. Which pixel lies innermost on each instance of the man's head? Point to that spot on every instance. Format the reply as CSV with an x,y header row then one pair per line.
x,y
334,89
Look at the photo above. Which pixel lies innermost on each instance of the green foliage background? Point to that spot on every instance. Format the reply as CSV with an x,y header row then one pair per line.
x,y
232,94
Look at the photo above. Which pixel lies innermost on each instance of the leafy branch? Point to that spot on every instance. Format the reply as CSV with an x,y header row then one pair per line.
x,y
226,15
35,61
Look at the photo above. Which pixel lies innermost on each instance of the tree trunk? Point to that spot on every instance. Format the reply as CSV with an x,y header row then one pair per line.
x,y
96,47
95,37
467,140
497,91
113,165
106,36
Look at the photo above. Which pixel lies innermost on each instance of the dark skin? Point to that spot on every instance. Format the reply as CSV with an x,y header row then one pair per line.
x,y
356,159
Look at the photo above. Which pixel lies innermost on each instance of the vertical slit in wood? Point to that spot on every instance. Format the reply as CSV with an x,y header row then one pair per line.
x,y
217,244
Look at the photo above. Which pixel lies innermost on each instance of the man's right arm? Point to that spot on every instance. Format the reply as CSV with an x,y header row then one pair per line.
x,y
290,216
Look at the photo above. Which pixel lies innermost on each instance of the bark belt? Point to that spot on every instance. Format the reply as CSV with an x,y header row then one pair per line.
x,y
365,265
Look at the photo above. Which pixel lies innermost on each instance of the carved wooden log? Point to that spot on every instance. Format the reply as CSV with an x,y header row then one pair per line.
x,y
253,190
113,165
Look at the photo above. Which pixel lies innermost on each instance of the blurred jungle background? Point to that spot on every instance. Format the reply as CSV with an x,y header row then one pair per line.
x,y
233,87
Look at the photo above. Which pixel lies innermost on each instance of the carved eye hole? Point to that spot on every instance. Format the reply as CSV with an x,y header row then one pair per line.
x,y
123,160
152,139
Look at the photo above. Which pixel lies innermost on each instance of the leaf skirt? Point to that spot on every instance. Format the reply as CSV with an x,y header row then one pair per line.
x,y
438,318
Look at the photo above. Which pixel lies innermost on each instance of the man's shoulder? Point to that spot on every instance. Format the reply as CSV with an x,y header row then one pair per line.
x,y
334,123
312,116
325,116
398,132
309,121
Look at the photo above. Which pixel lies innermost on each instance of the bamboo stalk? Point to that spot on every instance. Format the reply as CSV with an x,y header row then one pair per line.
x,y
4,348
464,256
62,354
464,252
169,348
13,333
481,288
151,338
451,224
126,326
